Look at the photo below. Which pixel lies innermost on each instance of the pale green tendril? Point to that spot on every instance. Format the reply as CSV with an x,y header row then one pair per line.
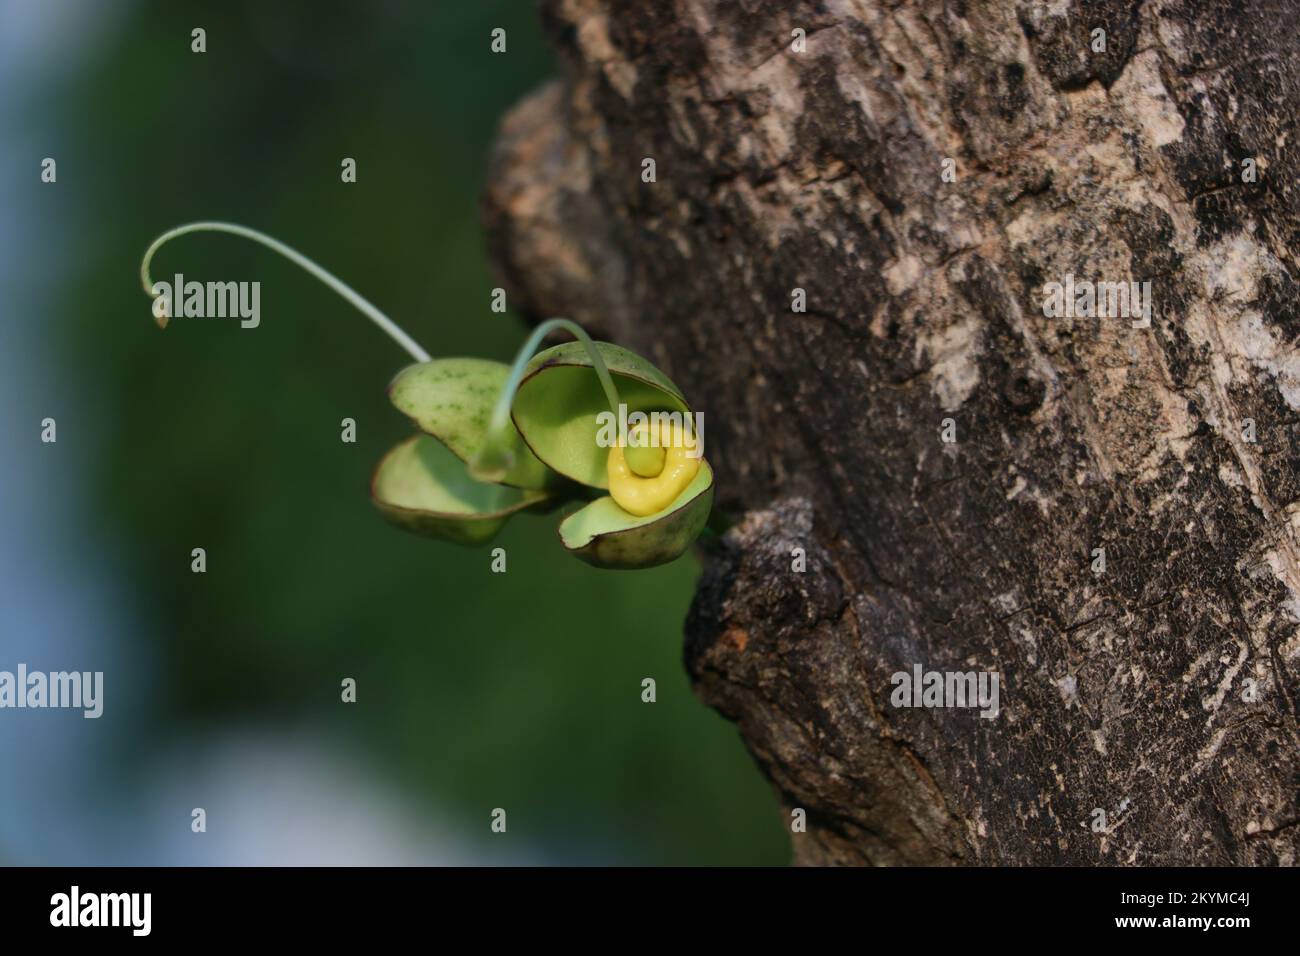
x,y
364,306
496,456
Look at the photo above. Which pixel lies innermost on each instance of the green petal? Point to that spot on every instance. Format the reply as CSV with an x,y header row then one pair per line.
x,y
422,487
452,399
605,535
560,396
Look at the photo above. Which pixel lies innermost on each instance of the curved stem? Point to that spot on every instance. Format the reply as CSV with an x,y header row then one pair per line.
x,y
501,413
362,305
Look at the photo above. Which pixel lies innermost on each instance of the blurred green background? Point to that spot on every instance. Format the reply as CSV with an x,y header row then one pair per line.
x,y
475,690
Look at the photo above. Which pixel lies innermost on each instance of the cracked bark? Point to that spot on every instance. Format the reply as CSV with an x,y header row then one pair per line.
x,y
1125,691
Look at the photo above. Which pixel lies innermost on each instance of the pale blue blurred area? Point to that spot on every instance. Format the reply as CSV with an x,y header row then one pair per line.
x,y
47,595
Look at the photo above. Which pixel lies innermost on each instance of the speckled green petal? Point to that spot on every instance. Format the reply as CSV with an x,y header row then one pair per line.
x,y
605,535
560,396
422,487
452,399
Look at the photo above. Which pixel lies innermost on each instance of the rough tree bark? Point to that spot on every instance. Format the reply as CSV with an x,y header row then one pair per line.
x,y
1127,690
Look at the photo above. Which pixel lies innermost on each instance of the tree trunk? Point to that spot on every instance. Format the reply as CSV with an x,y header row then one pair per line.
x,y
1148,694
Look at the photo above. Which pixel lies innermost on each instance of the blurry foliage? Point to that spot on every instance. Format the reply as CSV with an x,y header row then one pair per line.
x,y
476,689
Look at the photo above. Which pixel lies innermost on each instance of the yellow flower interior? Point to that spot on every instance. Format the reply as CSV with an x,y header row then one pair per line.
x,y
641,495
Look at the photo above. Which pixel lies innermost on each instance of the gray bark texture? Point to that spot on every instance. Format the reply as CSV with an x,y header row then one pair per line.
x,y
1162,690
